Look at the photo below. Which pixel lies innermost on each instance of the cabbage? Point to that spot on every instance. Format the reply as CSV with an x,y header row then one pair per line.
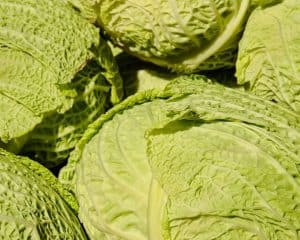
x,y
54,67
269,54
182,163
33,203
183,35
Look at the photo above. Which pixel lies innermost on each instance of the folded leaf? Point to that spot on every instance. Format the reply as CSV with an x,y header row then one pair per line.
x,y
122,196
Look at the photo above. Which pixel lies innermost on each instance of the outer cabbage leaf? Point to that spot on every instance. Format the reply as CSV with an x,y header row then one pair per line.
x,y
32,204
42,47
227,176
52,140
114,177
118,192
269,54
225,179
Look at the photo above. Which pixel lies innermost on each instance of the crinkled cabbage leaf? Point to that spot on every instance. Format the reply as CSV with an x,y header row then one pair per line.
x,y
55,137
193,161
43,45
225,174
269,54
183,35
33,203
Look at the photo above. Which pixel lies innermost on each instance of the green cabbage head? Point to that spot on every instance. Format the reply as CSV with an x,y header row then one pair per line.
x,y
56,76
183,35
194,161
33,203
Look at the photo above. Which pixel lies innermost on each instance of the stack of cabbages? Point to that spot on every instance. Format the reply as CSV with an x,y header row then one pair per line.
x,y
150,120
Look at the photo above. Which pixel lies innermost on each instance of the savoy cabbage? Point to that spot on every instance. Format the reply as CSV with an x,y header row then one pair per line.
x,y
183,157
183,35
33,204
182,163
44,46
